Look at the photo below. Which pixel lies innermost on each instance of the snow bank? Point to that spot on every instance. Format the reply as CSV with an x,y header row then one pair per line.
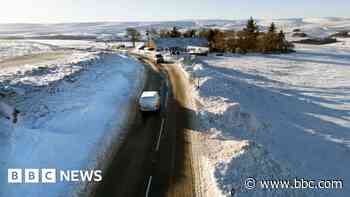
x,y
237,161
273,117
42,74
70,122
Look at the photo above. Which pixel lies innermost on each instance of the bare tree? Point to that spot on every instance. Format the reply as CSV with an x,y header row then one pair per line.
x,y
134,35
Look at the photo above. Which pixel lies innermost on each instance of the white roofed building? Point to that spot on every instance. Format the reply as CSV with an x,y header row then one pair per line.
x,y
179,43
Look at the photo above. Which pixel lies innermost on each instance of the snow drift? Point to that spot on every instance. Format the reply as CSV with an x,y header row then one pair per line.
x,y
272,117
71,114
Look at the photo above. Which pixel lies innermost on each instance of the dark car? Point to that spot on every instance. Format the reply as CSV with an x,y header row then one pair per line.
x,y
158,58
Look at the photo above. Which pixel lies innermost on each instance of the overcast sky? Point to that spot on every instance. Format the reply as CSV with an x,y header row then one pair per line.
x,y
55,11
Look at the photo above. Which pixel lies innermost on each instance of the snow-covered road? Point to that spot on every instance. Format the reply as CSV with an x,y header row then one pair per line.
x,y
71,114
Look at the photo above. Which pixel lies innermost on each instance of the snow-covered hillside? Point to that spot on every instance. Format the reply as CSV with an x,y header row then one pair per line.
x,y
71,113
273,117
313,26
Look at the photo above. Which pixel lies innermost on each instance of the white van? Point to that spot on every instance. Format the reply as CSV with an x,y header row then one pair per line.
x,y
193,50
149,101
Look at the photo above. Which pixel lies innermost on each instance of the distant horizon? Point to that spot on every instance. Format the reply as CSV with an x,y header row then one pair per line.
x,y
161,21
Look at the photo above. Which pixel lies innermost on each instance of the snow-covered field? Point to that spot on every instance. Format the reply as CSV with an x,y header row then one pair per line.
x,y
14,48
72,111
74,44
273,117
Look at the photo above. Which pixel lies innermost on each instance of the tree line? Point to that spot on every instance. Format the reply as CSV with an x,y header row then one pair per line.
x,y
249,39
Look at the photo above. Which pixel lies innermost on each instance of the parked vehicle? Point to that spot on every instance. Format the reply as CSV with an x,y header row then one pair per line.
x,y
193,50
149,101
158,58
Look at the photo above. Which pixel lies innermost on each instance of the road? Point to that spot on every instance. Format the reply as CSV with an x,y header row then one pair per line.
x,y
154,158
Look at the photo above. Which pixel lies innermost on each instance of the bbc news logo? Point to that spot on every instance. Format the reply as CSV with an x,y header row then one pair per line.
x,y
52,176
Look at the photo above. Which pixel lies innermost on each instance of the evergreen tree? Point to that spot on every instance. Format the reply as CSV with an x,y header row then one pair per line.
x,y
272,28
251,26
251,32
269,42
175,33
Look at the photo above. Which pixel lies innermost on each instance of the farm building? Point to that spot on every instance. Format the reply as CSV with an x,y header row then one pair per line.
x,y
178,44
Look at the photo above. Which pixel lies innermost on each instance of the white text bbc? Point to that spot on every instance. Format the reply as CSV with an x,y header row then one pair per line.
x,y
52,175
